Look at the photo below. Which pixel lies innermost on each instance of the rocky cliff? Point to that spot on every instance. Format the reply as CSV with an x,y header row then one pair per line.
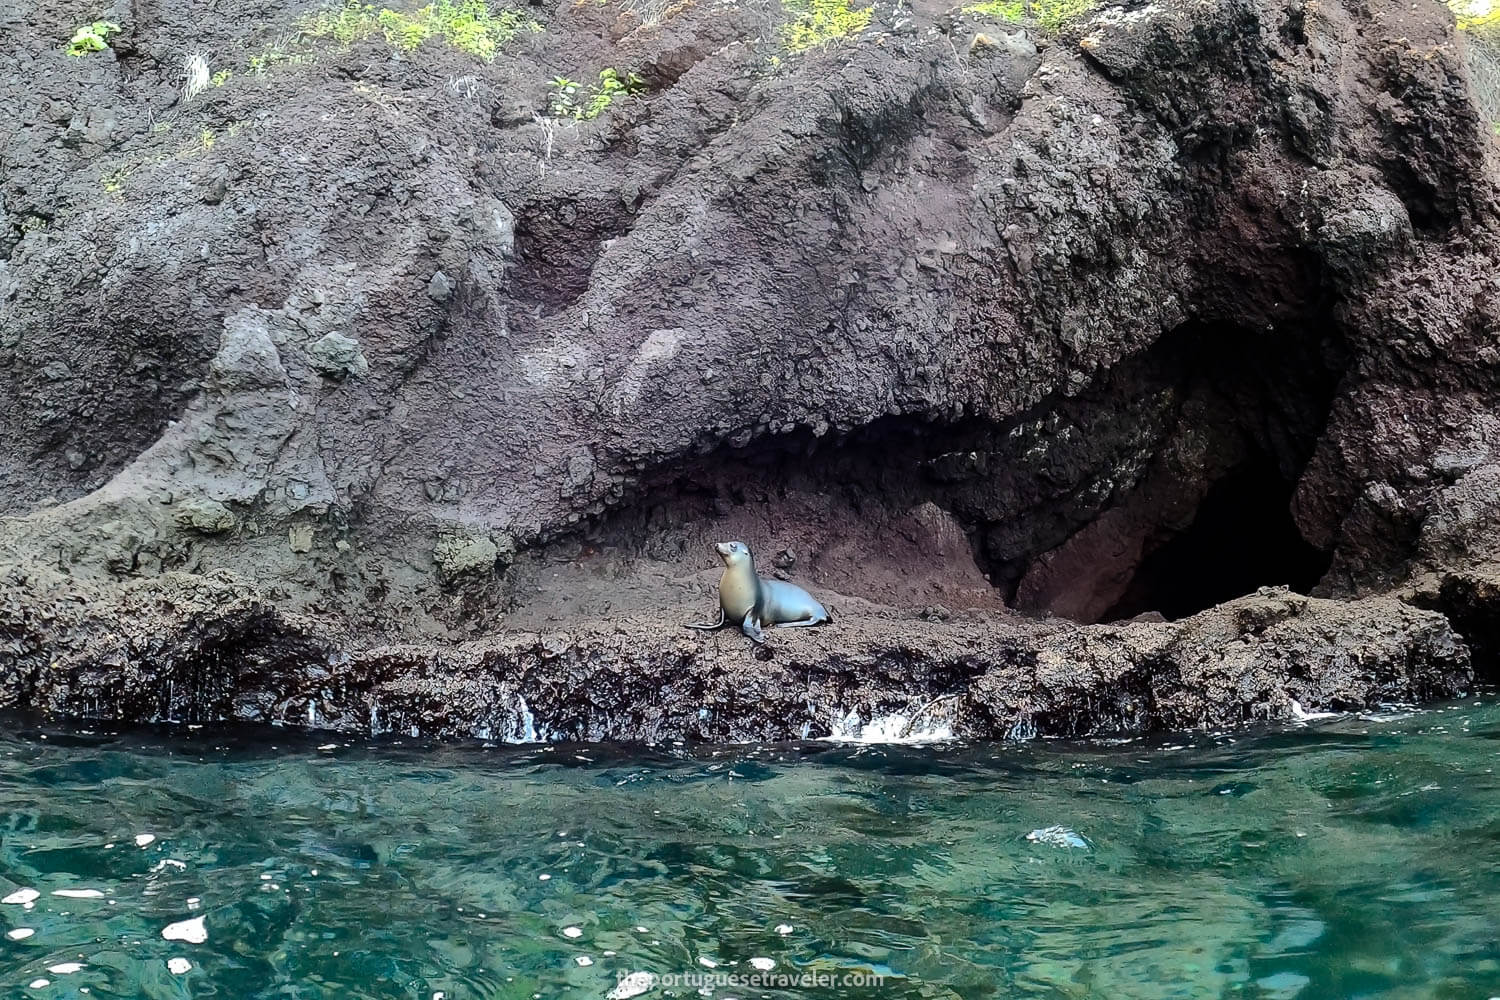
x,y
357,380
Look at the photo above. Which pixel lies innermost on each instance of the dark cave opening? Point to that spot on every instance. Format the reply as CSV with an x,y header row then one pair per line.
x,y
1242,537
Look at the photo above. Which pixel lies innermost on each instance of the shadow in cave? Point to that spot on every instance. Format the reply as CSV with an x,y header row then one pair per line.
x,y
1165,486
1242,537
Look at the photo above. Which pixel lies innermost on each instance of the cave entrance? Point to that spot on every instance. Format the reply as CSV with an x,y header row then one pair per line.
x,y
1242,537
1168,487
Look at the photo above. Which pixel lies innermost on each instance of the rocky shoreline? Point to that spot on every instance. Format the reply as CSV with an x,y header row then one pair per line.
x,y
361,389
197,650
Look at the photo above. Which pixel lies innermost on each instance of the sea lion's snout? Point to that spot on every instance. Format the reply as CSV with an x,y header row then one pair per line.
x,y
733,553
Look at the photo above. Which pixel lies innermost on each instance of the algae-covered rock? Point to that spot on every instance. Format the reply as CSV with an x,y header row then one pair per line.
x,y
464,554
203,514
300,537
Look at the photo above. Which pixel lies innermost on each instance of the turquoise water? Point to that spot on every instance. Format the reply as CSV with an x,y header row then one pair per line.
x,y
1357,857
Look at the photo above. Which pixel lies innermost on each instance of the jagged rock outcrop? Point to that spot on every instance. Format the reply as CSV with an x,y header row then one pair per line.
x,y
1197,297
200,649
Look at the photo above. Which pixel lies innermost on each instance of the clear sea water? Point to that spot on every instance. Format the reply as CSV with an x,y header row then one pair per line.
x,y
1352,857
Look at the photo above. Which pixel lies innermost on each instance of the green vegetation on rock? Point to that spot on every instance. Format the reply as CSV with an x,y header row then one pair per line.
x,y
203,514
467,25
815,23
571,100
1051,16
465,552
115,179
91,38
1013,11
1476,16
1480,21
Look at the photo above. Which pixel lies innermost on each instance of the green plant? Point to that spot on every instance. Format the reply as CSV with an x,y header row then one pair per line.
x,y
115,179
565,97
815,23
403,32
1013,11
274,55
570,100
1484,66
1051,16
467,25
206,139
345,25
91,38
221,77
471,27
1476,17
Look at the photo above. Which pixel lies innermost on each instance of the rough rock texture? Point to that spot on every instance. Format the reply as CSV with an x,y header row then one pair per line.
x,y
203,648
1198,297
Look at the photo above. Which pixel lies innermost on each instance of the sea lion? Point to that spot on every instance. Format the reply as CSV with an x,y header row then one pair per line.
x,y
752,601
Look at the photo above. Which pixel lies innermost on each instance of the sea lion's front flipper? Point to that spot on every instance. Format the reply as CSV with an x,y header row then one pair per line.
x,y
751,627
804,623
708,626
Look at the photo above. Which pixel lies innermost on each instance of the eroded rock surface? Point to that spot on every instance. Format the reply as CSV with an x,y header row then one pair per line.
x,y
394,376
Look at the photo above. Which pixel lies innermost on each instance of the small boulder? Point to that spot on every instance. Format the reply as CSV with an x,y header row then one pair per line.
x,y
440,288
202,514
463,553
247,357
336,356
300,537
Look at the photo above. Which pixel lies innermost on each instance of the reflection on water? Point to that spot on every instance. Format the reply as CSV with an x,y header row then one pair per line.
x,y
1342,858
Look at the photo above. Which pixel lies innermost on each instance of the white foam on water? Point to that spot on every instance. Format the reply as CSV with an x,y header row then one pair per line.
x,y
525,723
892,728
1283,985
37,984
1302,715
78,893
784,929
192,931
584,960
20,933
64,968
177,966
763,964
21,896
144,839
572,932
1058,836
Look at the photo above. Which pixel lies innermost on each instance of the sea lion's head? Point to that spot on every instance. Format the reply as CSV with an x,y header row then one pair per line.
x,y
733,553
